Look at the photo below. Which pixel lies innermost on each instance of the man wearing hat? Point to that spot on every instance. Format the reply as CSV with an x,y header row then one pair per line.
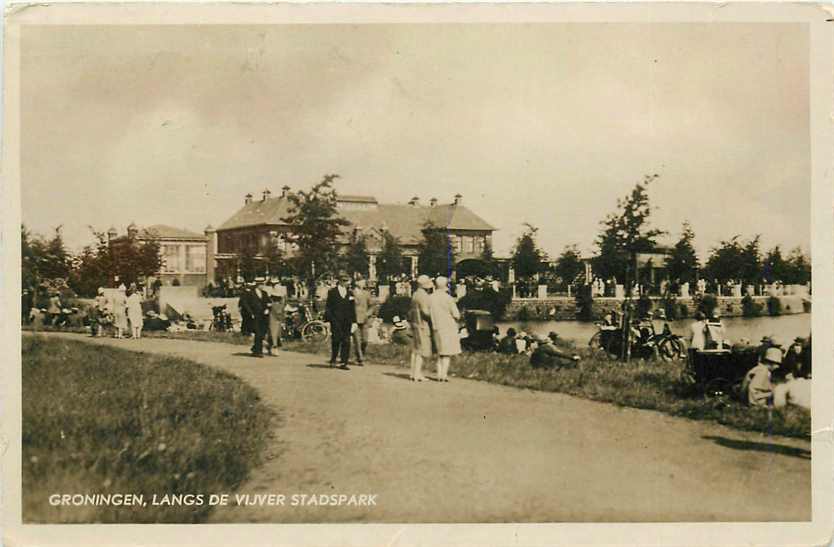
x,y
340,312
757,385
363,302
547,356
255,305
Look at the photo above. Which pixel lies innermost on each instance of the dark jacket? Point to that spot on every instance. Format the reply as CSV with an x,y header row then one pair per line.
x,y
547,356
253,305
339,312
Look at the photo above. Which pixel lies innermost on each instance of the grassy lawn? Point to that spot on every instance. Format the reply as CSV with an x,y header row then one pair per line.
x,y
637,384
106,420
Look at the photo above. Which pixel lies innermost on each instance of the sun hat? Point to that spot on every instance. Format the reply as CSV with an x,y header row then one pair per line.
x,y
772,356
424,281
441,282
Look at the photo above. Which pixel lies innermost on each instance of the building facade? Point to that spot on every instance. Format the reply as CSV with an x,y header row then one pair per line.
x,y
183,252
259,224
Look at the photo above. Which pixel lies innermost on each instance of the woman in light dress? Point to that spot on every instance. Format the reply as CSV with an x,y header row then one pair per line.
x,y
444,327
134,312
119,305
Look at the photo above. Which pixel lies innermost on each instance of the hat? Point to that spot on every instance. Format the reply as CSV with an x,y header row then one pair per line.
x,y
424,281
772,356
441,282
798,340
343,276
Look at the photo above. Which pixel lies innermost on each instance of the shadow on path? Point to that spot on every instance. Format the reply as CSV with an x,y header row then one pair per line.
x,y
760,447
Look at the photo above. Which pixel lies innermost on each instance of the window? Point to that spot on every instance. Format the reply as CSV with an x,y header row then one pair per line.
x,y
456,243
170,258
195,259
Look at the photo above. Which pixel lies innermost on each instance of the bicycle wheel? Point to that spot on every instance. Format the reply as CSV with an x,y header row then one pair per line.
x,y
314,331
670,349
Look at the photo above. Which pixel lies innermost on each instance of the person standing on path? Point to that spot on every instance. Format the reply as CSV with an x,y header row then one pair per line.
x,y
134,312
276,322
254,304
444,326
340,312
419,316
364,306
119,304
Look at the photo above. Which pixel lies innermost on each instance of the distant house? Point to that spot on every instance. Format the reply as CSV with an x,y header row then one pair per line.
x,y
183,252
260,222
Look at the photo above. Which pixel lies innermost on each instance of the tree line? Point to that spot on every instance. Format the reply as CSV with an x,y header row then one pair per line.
x,y
627,232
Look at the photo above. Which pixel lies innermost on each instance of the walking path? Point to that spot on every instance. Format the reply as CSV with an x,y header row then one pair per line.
x,y
469,451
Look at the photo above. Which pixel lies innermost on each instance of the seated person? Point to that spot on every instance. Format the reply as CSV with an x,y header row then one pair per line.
x,y
757,386
547,356
521,342
791,363
796,392
715,337
400,333
507,344
154,322
37,318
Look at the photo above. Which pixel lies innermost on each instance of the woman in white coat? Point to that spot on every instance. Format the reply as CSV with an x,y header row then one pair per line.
x,y
444,327
134,313
119,303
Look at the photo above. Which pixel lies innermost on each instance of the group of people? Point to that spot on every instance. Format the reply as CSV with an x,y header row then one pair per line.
x,y
119,313
542,350
780,377
262,314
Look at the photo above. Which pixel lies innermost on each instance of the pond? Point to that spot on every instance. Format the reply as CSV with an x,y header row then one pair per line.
x,y
783,328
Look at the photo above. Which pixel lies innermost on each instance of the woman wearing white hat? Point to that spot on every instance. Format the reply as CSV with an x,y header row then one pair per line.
x,y
444,326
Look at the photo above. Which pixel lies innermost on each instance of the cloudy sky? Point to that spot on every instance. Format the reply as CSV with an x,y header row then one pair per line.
x,y
540,123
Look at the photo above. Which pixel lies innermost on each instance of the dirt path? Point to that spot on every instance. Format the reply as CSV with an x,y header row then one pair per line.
x,y
469,451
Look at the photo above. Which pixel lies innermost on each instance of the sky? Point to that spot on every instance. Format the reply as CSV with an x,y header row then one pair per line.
x,y
542,123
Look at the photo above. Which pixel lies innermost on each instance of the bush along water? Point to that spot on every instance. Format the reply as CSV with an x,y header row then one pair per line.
x,y
584,303
774,306
749,307
707,304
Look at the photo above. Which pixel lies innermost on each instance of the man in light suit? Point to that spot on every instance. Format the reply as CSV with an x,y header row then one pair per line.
x,y
365,308
340,312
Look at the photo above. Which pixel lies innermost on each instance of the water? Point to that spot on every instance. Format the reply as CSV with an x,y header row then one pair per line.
x,y
783,328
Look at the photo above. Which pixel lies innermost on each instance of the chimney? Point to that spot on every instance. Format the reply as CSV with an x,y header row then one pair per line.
x,y
433,202
247,199
414,202
266,194
458,199
285,191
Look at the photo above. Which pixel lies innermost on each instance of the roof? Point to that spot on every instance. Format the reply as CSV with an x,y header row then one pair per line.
x,y
405,222
163,231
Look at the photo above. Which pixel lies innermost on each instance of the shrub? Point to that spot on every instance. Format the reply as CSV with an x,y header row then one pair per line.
x,y
707,304
749,307
671,307
584,303
774,306
683,311
486,298
394,305
523,314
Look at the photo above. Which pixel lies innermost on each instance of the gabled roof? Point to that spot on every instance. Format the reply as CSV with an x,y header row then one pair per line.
x,y
405,222
163,231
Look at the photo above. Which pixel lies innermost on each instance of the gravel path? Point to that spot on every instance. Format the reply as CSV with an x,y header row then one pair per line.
x,y
468,451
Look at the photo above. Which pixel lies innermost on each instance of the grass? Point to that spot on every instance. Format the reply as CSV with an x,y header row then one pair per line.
x,y
106,420
655,386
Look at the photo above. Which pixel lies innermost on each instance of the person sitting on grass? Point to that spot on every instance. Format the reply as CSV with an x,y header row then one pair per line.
x,y
757,386
547,356
507,344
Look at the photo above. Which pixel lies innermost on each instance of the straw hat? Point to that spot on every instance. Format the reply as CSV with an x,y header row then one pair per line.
x,y
424,281
772,356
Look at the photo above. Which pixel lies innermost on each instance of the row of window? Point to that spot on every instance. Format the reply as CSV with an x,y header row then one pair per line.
x,y
468,244
193,260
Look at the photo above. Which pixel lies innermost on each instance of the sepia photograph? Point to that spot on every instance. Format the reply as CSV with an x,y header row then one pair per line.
x,y
417,272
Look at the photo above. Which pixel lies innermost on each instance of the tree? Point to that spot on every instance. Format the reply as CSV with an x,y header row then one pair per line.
x,y
248,263
315,226
357,260
798,268
735,260
774,266
274,260
625,233
569,265
488,258
683,261
436,256
527,257
42,260
389,262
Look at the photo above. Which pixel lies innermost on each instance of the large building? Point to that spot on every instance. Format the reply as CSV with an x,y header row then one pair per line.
x,y
183,252
260,222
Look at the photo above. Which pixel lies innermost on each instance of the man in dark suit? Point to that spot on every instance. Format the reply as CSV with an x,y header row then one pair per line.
x,y
340,312
254,303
